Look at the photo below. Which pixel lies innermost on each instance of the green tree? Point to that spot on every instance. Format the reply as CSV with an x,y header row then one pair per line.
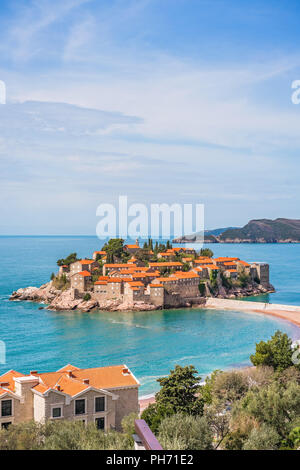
x,y
235,440
62,435
68,260
243,278
184,432
294,437
114,249
87,297
127,424
219,420
186,267
273,405
179,393
277,352
229,386
206,390
263,438
202,288
206,252
168,245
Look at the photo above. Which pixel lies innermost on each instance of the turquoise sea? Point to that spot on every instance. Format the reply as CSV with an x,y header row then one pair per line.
x,y
149,343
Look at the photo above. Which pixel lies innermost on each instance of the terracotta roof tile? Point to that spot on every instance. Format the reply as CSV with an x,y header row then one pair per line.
x,y
85,274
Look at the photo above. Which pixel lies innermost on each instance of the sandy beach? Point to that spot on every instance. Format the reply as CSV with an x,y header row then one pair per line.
x,y
292,317
144,402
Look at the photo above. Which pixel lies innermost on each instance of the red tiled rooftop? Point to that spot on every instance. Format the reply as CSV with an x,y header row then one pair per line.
x,y
85,274
166,264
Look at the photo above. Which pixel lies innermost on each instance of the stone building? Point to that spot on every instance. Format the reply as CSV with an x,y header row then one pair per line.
x,y
132,248
83,265
82,281
260,271
100,253
103,395
160,266
64,270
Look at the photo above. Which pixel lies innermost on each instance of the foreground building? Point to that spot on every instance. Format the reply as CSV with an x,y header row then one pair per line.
x,y
103,395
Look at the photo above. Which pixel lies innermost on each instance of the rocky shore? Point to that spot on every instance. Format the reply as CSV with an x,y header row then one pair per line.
x,y
64,300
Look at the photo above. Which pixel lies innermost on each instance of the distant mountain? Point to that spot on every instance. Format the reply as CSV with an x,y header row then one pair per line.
x,y
217,231
255,231
264,231
197,237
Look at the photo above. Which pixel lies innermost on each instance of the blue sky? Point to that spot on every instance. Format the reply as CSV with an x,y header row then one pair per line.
x,y
183,101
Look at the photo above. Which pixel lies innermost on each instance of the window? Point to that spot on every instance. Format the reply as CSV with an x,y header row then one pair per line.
x,y
5,425
6,408
99,404
56,412
80,407
100,423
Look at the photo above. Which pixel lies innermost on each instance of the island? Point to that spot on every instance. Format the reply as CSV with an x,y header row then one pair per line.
x,y
255,231
156,276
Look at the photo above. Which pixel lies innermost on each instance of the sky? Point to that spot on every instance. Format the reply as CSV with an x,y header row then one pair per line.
x,y
165,101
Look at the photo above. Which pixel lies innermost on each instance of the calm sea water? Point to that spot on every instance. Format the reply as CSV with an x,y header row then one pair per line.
x,y
149,343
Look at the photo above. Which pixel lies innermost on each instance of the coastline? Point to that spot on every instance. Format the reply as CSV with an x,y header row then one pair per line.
x,y
288,313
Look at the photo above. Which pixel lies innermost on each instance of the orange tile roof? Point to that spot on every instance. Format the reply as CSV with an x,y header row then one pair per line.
x,y
99,253
99,377
9,378
41,388
156,285
166,254
133,247
153,274
67,367
85,274
187,275
226,258
167,279
103,278
113,280
87,261
135,284
244,263
100,283
231,270
203,261
118,265
166,264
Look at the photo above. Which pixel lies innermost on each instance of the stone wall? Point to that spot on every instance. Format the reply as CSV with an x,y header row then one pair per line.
x,y
127,403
